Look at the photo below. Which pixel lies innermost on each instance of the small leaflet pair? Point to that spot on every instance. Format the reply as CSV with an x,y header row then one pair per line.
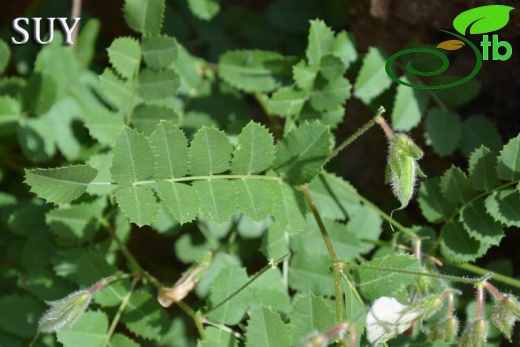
x,y
402,168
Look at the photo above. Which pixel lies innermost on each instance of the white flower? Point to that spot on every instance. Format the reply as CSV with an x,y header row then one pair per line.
x,y
388,318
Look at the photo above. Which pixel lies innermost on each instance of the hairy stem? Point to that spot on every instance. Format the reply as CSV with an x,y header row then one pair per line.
x,y
480,301
357,134
332,253
496,277
269,266
119,313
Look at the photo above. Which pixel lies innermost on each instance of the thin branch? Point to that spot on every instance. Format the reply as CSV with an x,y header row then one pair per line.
x,y
76,13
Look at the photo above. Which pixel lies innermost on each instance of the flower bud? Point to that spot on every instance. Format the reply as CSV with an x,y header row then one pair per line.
x,y
505,313
475,334
429,306
65,311
445,330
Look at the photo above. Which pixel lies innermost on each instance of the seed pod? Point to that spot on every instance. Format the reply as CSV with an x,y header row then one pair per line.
x,y
402,168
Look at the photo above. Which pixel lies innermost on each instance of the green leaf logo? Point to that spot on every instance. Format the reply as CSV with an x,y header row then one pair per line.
x,y
482,19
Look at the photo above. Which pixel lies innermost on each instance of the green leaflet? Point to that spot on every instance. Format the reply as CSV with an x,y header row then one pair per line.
x,y
105,125
301,154
409,105
509,160
321,39
457,245
20,314
210,152
146,117
266,329
89,330
443,129
144,316
204,9
170,147
125,56
157,84
60,185
144,16
434,205
477,131
254,152
372,79
456,186
159,51
482,169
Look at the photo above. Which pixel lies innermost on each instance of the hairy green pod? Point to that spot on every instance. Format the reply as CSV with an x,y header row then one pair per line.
x,y
402,169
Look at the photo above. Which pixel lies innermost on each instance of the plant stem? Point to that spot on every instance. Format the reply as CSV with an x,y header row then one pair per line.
x,y
76,12
331,251
357,134
119,313
418,273
194,316
480,300
495,276
269,266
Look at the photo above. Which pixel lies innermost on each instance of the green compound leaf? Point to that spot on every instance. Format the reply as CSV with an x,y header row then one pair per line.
x,y
60,185
229,279
133,158
145,317
5,55
144,16
146,117
482,169
20,315
255,197
265,328
479,131
157,84
304,75
443,129
159,51
373,283
457,245
301,154
483,19
89,330
287,102
125,56
119,340
509,160
254,152
310,314
180,199
210,152
372,79
456,186
217,200
503,207
105,125
204,9
93,267
321,39
251,71
327,95
409,106
480,225
170,147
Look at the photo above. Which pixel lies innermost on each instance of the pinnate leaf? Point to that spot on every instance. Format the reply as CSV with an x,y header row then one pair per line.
x,y
251,71
210,152
159,51
372,79
265,328
482,169
456,186
145,317
301,154
373,283
254,152
509,160
125,56
60,185
443,129
144,16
